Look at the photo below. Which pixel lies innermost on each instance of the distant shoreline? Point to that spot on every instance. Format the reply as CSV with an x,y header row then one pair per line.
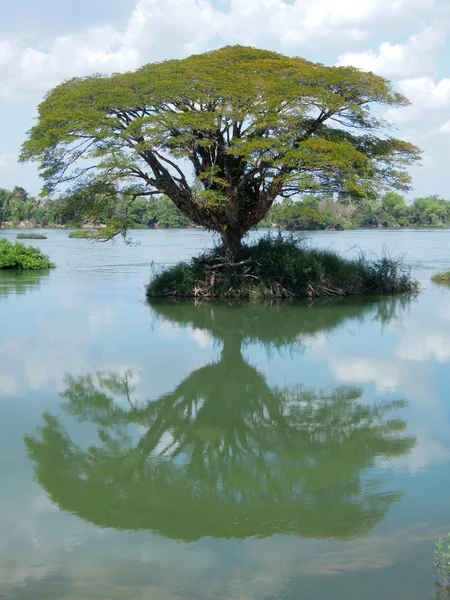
x,y
23,227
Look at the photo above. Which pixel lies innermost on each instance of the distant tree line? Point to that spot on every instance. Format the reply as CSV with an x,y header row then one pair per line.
x,y
314,212
311,212
17,206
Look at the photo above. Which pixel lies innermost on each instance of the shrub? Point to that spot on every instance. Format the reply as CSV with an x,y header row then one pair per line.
x,y
442,560
442,277
31,236
83,234
19,256
278,267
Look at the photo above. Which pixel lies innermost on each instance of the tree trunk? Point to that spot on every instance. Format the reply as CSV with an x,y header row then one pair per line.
x,y
232,243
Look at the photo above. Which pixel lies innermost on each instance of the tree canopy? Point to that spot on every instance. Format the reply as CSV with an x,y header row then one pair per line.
x,y
253,124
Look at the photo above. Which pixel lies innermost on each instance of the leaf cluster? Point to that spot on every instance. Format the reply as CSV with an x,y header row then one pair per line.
x,y
18,256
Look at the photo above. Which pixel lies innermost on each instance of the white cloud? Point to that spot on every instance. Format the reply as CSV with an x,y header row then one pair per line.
x,y
419,346
25,69
175,28
386,374
425,92
172,330
417,56
427,97
426,451
445,127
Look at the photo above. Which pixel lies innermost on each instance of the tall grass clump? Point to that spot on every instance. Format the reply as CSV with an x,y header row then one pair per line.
x,y
83,234
442,561
31,236
442,277
279,267
18,256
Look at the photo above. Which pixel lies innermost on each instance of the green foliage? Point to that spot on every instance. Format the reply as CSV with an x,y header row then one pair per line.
x,y
431,211
394,204
94,202
19,256
254,124
284,268
388,210
138,212
156,212
297,216
370,213
17,205
442,560
31,236
312,212
442,277
4,205
84,234
165,213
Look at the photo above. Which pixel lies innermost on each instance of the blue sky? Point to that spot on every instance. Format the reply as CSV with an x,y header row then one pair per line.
x,y
43,42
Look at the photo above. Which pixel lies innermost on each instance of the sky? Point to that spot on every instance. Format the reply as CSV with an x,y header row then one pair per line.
x,y
43,42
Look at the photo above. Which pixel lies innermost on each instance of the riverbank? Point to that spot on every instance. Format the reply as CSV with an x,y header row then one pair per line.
x,y
273,226
34,225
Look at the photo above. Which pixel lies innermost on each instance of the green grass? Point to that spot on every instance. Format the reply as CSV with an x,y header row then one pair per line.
x,y
279,267
83,234
442,277
31,236
18,256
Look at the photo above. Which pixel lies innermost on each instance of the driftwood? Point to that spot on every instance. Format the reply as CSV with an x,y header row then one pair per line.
x,y
227,264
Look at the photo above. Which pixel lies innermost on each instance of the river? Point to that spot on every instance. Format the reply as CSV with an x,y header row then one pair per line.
x,y
173,451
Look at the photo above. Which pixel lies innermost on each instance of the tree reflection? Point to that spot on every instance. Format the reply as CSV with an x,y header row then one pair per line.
x,y
20,282
224,454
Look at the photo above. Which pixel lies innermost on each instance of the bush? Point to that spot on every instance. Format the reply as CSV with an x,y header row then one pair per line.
x,y
277,267
31,236
19,256
443,277
83,234
442,561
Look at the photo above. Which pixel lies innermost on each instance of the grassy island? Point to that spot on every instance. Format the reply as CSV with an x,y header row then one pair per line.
x,y
276,267
442,277
18,256
86,234
31,236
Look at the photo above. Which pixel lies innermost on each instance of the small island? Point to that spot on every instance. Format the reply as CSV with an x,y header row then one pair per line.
x,y
21,257
442,277
31,236
84,234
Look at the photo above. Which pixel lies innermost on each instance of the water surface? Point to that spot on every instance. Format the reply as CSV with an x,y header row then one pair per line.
x,y
171,451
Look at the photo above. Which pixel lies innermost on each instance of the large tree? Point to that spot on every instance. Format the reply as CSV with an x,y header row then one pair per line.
x,y
254,125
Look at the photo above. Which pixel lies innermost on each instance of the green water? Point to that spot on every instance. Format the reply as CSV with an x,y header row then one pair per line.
x,y
180,451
